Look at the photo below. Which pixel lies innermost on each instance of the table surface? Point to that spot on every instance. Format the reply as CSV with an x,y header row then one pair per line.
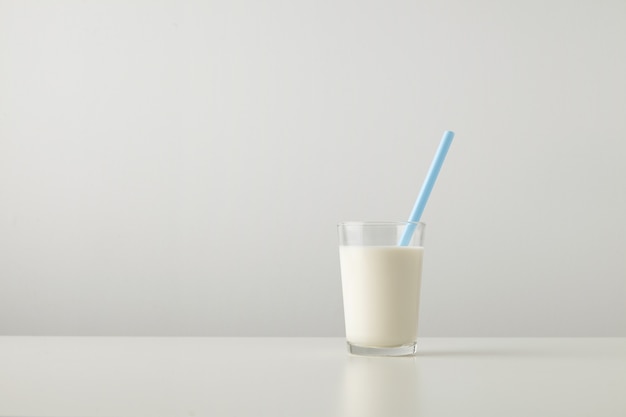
x,y
119,376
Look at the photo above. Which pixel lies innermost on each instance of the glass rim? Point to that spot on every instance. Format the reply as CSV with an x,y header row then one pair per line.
x,y
379,223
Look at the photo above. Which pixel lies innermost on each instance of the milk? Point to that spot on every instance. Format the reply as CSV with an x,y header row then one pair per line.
x,y
381,288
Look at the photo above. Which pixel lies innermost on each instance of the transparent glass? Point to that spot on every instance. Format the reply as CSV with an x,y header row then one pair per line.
x,y
381,282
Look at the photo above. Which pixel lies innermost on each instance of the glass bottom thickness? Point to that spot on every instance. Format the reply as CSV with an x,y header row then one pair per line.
x,y
404,350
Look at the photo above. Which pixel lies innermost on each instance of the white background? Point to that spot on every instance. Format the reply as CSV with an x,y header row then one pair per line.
x,y
178,167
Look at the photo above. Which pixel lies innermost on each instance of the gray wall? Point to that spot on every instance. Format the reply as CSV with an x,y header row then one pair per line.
x,y
178,167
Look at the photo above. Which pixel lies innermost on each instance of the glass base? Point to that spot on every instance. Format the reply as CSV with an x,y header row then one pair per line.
x,y
404,350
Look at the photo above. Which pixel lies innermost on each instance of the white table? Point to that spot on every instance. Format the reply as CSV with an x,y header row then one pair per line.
x,y
98,376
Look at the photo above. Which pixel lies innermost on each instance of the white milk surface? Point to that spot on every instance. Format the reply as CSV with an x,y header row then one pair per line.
x,y
381,288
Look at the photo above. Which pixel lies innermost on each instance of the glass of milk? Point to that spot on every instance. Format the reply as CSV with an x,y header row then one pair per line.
x,y
381,286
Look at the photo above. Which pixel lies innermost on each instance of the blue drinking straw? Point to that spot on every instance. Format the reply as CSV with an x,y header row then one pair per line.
x,y
427,187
